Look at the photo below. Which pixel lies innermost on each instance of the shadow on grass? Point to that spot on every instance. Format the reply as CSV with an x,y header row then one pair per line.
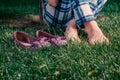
x,y
14,8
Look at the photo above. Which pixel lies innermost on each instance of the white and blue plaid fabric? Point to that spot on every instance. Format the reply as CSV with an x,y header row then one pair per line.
x,y
79,10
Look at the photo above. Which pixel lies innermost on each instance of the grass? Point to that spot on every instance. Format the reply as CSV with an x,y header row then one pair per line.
x,y
71,62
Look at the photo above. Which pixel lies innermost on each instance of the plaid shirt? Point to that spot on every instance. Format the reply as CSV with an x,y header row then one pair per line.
x,y
79,10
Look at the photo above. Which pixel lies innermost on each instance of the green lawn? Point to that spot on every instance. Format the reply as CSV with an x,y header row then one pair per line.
x,y
71,62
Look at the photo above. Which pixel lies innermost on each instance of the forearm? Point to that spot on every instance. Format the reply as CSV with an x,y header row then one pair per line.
x,y
53,3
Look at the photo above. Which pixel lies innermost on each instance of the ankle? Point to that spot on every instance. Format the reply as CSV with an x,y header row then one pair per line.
x,y
90,26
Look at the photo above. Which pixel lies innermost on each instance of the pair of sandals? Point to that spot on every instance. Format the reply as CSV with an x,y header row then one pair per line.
x,y
42,39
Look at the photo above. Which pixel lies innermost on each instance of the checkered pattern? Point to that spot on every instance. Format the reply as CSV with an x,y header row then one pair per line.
x,y
79,10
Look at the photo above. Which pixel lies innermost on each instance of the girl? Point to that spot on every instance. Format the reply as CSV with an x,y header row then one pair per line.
x,y
74,14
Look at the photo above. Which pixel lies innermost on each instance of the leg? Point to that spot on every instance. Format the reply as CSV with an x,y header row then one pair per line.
x,y
71,32
94,33
85,14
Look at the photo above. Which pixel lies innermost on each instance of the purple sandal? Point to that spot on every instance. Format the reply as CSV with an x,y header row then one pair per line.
x,y
27,41
42,39
54,40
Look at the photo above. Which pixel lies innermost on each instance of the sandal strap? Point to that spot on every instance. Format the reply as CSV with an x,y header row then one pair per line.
x,y
40,42
59,41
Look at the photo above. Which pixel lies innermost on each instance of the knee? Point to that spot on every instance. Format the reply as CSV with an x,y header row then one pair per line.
x,y
53,3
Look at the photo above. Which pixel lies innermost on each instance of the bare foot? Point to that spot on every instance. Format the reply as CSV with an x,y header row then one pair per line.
x,y
71,32
36,19
33,18
95,34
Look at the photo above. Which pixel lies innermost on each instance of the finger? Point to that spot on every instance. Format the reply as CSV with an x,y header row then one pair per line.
x,y
91,41
106,40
